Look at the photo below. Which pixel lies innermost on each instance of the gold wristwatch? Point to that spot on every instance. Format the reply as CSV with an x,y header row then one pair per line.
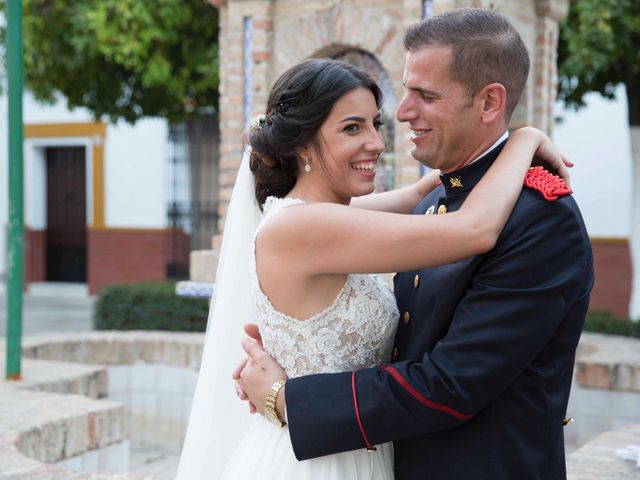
x,y
270,411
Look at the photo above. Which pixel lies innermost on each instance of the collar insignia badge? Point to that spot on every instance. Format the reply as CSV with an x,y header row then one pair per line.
x,y
456,182
430,210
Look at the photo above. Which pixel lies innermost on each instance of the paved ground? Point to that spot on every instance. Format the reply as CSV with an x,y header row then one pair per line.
x,y
64,307
60,307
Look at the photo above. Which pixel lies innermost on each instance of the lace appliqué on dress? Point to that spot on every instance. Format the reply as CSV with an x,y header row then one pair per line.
x,y
356,331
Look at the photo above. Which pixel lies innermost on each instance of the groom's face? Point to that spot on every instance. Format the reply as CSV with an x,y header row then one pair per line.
x,y
440,111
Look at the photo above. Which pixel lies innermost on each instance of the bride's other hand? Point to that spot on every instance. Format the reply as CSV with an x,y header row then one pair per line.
x,y
260,372
242,395
547,154
253,331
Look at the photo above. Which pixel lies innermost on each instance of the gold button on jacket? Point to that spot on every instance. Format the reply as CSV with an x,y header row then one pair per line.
x,y
416,281
406,318
442,209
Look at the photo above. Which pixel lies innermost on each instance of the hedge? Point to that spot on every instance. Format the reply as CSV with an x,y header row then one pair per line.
x,y
155,306
148,306
607,322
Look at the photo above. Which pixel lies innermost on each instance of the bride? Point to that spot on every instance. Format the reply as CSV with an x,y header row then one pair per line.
x,y
311,290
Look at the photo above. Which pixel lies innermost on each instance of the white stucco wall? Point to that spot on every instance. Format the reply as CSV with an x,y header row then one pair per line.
x,y
596,139
135,172
135,169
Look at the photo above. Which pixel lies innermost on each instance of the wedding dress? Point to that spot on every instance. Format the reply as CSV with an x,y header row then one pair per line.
x,y
356,331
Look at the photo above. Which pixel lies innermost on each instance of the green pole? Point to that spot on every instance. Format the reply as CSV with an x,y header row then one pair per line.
x,y
15,270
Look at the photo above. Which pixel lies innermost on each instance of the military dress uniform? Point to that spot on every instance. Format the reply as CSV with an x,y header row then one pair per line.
x,y
483,357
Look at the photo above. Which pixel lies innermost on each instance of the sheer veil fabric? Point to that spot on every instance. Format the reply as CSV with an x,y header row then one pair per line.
x,y
218,419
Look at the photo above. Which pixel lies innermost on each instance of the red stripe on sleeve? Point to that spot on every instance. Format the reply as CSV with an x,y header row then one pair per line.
x,y
425,401
370,447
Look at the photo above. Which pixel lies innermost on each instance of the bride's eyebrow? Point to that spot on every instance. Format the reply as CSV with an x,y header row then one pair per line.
x,y
353,119
357,119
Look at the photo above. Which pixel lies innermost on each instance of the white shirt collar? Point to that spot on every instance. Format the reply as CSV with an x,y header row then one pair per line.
x,y
502,138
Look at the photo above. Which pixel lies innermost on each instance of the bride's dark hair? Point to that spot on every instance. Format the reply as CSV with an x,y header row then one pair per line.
x,y
298,105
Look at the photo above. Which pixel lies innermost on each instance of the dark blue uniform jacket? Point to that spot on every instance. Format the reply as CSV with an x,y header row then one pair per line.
x,y
483,358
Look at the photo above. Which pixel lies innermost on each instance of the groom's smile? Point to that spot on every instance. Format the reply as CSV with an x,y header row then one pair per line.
x,y
418,134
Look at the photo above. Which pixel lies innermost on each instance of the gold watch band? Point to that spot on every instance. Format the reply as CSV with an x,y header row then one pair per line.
x,y
270,411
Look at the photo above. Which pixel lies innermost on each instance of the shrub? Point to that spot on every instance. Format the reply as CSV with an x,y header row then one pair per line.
x,y
148,306
607,322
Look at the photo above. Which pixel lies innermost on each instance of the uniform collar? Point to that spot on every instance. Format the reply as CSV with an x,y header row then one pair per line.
x,y
465,178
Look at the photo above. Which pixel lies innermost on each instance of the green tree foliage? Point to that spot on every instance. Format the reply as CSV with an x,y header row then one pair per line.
x,y
600,48
123,59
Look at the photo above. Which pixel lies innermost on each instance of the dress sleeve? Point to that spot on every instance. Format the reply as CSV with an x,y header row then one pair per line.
x,y
538,275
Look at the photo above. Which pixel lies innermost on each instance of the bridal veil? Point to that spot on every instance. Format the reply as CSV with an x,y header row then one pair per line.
x,y
218,419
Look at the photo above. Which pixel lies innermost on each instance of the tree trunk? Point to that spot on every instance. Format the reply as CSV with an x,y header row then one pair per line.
x,y
633,99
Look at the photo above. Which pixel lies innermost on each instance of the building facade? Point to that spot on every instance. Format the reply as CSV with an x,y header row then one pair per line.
x,y
107,202
259,39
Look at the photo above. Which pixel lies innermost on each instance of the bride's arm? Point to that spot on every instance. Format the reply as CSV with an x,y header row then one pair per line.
x,y
400,200
328,238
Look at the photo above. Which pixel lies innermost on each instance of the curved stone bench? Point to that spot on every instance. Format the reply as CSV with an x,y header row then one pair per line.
x,y
609,362
597,460
57,413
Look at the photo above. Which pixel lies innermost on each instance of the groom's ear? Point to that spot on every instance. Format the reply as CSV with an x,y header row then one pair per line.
x,y
493,98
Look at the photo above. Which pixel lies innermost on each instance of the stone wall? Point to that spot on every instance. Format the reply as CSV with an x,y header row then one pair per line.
x,y
284,32
56,422
56,417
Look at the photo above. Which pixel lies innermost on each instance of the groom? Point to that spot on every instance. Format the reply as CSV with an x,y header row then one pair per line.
x,y
484,352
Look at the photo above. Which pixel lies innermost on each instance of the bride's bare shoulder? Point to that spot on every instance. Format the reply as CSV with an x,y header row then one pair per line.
x,y
292,225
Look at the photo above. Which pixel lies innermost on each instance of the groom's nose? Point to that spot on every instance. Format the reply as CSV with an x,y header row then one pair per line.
x,y
406,109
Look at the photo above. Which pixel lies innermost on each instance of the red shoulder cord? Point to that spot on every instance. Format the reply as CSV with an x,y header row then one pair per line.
x,y
550,186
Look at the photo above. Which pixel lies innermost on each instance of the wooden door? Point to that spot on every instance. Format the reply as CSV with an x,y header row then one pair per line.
x,y
66,215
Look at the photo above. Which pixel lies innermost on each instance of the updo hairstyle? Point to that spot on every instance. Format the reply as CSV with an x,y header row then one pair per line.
x,y
298,105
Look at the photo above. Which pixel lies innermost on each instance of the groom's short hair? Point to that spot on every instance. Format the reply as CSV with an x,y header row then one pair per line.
x,y
485,47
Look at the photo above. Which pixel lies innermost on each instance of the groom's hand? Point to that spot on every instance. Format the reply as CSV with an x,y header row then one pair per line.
x,y
260,372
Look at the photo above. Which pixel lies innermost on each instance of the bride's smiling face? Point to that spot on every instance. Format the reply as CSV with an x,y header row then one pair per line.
x,y
350,144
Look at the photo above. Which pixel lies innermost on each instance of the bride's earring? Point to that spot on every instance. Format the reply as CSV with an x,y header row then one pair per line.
x,y
307,165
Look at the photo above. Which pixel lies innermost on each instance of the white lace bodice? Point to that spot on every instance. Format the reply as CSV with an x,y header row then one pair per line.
x,y
356,331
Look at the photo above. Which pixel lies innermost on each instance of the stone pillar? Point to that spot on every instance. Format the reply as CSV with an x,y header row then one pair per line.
x,y
407,168
232,82
287,31
544,61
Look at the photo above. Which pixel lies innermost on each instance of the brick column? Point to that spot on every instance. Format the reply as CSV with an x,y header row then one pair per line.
x,y
407,167
549,13
232,94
